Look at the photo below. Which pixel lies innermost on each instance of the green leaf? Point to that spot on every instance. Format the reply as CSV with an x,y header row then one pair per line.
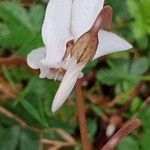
x,y
17,23
92,128
108,77
90,66
115,74
36,99
139,10
144,116
37,16
135,104
9,138
19,16
36,20
21,28
139,66
28,141
123,71
31,43
119,8
144,140
33,111
128,143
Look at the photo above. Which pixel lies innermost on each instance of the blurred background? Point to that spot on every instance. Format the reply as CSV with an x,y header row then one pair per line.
x,y
116,88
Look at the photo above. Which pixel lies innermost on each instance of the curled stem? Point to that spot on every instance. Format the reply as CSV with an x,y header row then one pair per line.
x,y
81,116
123,132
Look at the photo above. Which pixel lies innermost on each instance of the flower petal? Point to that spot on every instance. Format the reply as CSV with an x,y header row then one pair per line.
x,y
35,56
110,43
45,72
84,15
66,86
56,30
34,60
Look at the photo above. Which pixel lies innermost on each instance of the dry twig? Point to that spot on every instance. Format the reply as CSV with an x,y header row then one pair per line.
x,y
68,139
59,144
21,122
6,89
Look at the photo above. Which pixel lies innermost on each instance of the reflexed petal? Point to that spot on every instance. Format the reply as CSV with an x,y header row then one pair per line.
x,y
56,30
34,57
84,15
110,43
66,86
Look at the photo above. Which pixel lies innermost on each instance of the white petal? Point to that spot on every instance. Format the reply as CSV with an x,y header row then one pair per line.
x,y
84,15
45,72
66,86
34,60
34,57
110,43
56,30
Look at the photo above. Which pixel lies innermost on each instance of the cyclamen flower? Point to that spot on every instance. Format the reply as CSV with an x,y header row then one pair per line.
x,y
72,39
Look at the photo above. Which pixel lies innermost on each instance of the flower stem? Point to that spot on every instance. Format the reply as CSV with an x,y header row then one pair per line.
x,y
123,132
10,61
81,116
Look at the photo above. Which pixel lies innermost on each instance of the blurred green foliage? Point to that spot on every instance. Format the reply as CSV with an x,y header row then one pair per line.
x,y
20,28
20,32
139,10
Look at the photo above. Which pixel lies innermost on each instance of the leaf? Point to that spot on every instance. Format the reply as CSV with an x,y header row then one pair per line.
x,y
144,116
20,15
36,21
139,66
128,143
31,43
31,110
135,104
92,128
17,23
37,16
90,66
65,113
36,99
143,43
108,77
9,138
144,140
123,71
21,28
119,8
28,141
116,73
139,10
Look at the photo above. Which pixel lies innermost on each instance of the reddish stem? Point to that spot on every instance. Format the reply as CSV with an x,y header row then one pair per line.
x,y
123,132
81,116
10,61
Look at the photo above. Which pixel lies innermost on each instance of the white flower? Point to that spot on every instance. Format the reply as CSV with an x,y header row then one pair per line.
x,y
67,20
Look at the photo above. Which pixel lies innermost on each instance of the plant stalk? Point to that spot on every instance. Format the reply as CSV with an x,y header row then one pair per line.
x,y
81,116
